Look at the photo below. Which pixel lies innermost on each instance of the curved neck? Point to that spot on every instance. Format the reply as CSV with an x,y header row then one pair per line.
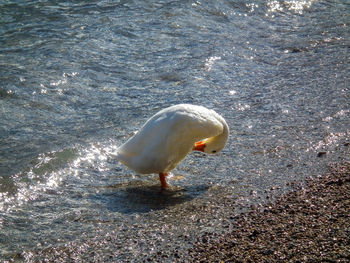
x,y
217,143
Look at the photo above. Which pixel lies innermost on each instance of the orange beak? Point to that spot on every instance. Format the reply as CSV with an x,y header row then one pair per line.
x,y
199,146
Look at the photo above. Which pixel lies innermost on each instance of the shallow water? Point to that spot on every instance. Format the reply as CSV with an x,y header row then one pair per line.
x,y
77,79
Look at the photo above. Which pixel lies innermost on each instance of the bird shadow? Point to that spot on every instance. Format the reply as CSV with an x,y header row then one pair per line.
x,y
144,197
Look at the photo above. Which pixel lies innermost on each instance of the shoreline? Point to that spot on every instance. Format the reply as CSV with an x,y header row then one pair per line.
x,y
310,224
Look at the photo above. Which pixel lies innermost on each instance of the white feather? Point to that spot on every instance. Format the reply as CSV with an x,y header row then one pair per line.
x,y
168,136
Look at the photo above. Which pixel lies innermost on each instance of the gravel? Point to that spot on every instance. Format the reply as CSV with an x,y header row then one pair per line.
x,y
310,224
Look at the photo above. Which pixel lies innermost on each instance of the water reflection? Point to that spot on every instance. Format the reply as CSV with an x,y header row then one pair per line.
x,y
78,79
145,196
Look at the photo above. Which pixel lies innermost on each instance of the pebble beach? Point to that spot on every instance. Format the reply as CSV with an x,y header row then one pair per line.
x,y
310,224
79,78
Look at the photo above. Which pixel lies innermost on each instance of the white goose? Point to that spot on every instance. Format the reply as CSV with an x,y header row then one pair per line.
x,y
169,135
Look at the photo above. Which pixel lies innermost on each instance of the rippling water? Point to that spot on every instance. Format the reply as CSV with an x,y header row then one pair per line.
x,y
77,79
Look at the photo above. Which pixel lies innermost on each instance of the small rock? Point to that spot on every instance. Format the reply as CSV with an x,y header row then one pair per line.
x,y
267,252
320,154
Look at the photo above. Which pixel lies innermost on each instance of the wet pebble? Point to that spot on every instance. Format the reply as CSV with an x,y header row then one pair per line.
x,y
311,224
308,224
321,154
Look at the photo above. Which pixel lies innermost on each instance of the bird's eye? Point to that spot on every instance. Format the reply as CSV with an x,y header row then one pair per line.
x,y
214,151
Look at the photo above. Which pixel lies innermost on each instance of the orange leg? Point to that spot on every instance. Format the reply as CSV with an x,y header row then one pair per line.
x,y
162,180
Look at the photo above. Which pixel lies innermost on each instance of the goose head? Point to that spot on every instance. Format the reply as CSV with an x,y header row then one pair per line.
x,y
213,144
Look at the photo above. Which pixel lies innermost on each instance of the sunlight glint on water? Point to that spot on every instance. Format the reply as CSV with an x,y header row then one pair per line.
x,y
78,79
